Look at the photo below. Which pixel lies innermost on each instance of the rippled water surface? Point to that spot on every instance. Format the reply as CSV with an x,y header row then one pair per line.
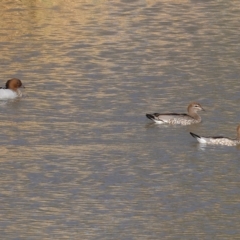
x,y
79,159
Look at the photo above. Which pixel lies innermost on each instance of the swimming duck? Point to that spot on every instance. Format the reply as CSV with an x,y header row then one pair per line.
x,y
11,89
219,140
175,118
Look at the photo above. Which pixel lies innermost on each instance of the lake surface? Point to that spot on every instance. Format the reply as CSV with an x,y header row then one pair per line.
x,y
79,159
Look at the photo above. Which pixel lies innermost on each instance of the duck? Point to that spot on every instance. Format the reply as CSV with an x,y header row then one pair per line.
x,y
219,140
179,118
11,89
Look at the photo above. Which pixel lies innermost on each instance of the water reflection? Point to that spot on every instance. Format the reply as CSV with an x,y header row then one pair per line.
x,y
79,159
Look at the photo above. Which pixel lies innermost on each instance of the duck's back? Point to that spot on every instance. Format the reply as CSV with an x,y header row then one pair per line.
x,y
172,118
222,141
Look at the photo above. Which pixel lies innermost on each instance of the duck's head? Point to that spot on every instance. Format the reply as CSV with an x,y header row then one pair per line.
x,y
195,107
238,132
14,84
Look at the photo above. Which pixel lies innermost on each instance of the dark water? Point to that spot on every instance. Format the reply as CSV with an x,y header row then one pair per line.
x,y
79,159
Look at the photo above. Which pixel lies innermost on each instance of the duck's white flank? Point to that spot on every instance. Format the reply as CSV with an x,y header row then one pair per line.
x,y
7,94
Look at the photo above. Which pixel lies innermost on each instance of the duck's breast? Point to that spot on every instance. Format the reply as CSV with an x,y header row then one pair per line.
x,y
7,94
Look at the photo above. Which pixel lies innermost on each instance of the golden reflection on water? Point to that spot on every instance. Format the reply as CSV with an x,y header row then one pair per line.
x,y
78,157
19,19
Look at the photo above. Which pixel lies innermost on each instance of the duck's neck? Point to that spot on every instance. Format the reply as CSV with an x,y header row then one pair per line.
x,y
238,136
194,115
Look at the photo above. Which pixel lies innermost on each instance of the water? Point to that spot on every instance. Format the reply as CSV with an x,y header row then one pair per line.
x,y
79,159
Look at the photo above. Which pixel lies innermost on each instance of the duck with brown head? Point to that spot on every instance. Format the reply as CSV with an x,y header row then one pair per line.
x,y
11,89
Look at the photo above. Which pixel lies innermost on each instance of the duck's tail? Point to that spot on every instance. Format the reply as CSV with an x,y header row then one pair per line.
x,y
150,116
195,135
